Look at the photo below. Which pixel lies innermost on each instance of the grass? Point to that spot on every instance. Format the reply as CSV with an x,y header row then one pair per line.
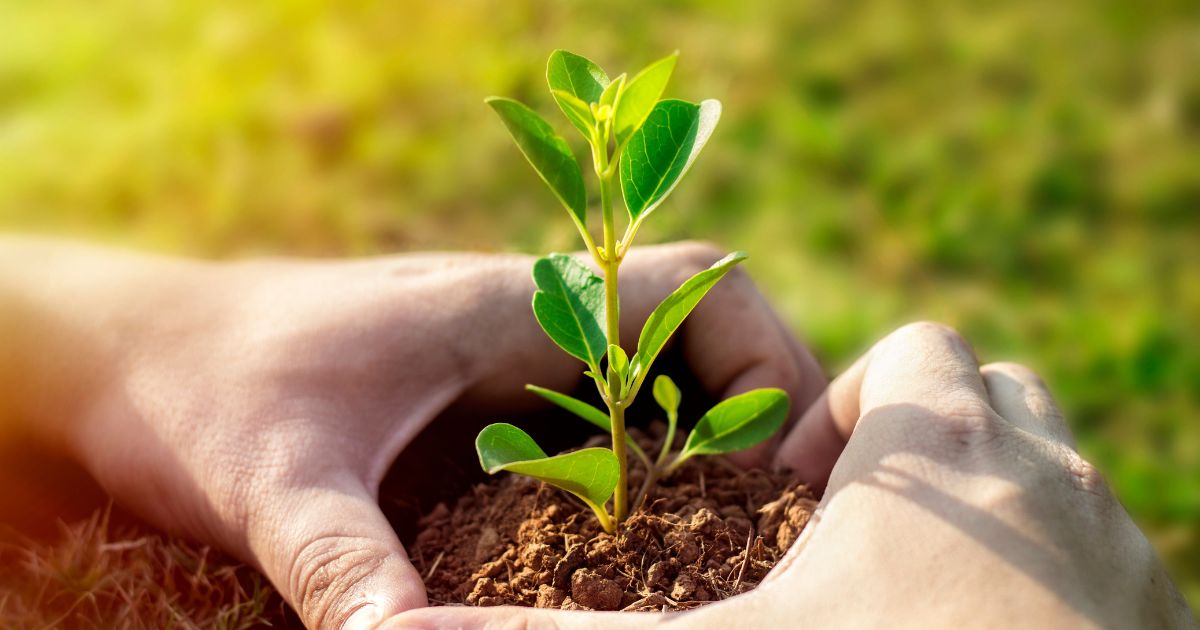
x,y
1028,172
99,576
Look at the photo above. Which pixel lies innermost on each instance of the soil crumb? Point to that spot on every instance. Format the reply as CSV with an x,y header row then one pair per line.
x,y
710,532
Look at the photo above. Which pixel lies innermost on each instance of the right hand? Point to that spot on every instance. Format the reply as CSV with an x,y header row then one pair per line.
x,y
957,500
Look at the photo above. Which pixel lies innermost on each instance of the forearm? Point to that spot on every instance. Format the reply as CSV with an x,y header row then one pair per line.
x,y
71,315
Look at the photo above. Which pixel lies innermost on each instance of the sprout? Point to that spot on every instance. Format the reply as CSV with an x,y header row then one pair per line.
x,y
647,143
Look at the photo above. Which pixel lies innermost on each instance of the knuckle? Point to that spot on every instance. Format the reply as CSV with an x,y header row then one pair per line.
x,y
325,575
1016,371
968,424
1084,476
772,370
923,332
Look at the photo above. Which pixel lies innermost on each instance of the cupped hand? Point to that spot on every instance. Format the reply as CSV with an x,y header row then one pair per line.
x,y
955,498
257,405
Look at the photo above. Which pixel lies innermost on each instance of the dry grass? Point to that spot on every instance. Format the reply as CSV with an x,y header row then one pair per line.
x,y
101,575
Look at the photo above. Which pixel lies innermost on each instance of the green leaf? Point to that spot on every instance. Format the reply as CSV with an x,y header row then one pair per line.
x,y
738,423
575,406
640,95
569,305
576,111
662,150
590,474
618,360
579,77
610,94
587,412
667,394
547,152
671,312
635,369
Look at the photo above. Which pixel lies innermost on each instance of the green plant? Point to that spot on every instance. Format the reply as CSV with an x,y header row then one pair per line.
x,y
648,144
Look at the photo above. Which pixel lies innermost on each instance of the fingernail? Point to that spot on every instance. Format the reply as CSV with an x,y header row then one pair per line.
x,y
365,618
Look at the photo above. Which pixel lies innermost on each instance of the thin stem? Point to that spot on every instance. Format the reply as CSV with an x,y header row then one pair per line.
x,y
620,496
643,492
602,515
588,243
654,471
626,240
637,450
679,460
612,300
669,440
612,311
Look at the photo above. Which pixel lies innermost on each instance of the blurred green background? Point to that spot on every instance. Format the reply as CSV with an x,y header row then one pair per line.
x,y
1028,172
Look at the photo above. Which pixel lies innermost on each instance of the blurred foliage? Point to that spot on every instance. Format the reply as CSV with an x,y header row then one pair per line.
x,y
1028,172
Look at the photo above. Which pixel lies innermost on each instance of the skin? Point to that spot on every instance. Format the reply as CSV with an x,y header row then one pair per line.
x,y
955,498
257,405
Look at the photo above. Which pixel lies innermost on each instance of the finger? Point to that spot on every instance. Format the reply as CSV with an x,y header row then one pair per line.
x,y
469,618
923,365
733,341
812,447
1020,396
334,557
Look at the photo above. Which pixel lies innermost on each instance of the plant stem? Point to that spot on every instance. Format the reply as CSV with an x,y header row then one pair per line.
x,y
668,439
602,516
678,461
616,406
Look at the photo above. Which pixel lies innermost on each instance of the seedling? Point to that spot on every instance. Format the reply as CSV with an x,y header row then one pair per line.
x,y
645,144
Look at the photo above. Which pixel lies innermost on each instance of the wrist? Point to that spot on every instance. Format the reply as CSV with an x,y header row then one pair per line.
x,y
75,318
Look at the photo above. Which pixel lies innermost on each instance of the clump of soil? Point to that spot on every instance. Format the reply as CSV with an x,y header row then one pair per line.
x,y
710,532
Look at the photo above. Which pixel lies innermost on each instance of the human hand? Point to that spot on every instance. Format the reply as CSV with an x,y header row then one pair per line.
x,y
257,405
957,500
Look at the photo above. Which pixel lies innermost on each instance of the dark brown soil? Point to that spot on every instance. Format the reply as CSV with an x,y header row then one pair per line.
x,y
710,532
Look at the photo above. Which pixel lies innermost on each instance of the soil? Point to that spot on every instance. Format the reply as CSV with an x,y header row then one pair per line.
x,y
710,532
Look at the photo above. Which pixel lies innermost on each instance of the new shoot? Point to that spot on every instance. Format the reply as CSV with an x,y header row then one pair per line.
x,y
642,144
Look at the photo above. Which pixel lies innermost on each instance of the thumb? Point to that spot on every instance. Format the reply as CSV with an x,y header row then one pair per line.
x,y
334,557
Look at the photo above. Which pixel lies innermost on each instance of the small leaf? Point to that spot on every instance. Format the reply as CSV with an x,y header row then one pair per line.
x,y
671,312
578,77
635,369
610,94
569,305
587,412
619,361
738,423
640,95
590,474
547,152
501,444
667,394
662,150
576,111
575,406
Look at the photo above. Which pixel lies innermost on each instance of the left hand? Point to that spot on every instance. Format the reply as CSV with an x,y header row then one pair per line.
x,y
257,405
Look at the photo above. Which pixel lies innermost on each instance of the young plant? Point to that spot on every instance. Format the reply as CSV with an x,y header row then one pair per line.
x,y
644,144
